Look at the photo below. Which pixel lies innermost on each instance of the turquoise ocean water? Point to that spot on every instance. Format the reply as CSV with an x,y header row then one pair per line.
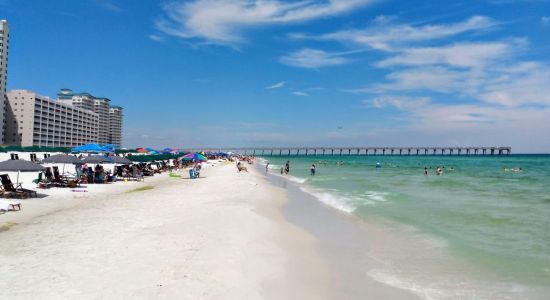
x,y
491,217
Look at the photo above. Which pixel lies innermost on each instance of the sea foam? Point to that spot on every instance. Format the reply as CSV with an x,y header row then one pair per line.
x,y
339,202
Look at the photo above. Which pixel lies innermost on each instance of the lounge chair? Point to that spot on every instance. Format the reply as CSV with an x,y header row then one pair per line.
x,y
49,175
17,191
39,179
58,180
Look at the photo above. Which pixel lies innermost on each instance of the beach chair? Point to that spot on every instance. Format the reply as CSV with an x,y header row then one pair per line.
x,y
8,205
39,179
58,180
49,175
17,191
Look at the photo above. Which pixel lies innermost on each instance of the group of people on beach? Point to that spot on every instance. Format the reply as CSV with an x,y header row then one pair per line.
x,y
247,159
438,170
286,169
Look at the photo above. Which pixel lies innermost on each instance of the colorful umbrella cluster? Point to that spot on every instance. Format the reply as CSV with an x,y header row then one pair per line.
x,y
194,156
170,151
150,151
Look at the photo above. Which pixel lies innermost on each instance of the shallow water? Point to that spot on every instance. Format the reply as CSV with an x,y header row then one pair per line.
x,y
493,218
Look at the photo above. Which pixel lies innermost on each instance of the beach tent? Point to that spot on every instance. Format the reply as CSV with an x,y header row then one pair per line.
x,y
111,147
194,156
97,159
90,148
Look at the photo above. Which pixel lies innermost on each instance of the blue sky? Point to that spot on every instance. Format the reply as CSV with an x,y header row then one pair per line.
x,y
311,73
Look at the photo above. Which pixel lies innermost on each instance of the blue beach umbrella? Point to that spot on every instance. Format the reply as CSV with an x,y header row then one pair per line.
x,y
152,151
90,148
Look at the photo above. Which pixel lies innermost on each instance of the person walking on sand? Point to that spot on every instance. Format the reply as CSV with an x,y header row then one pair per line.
x,y
312,170
267,168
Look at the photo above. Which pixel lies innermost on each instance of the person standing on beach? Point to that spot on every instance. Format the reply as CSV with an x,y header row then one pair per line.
x,y
287,167
312,170
267,168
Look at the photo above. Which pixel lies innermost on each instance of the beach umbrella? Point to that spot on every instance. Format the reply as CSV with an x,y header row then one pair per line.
x,y
142,150
90,148
62,159
17,165
152,151
97,159
122,160
194,156
170,151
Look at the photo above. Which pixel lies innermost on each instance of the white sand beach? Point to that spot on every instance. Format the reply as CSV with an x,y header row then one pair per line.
x,y
218,237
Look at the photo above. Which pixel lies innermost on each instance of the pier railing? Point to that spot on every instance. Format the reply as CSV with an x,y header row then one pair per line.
x,y
365,151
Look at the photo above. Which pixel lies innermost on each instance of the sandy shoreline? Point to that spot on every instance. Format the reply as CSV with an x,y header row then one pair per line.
x,y
224,236
220,237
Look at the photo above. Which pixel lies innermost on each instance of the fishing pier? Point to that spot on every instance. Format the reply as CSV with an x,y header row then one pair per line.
x,y
364,151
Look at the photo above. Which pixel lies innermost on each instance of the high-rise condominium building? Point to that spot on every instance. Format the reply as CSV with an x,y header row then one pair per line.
x,y
101,107
4,47
34,120
115,125
107,133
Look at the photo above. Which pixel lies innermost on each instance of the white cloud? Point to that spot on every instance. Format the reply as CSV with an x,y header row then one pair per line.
x,y
390,37
313,59
302,94
109,5
222,21
516,87
439,79
471,55
277,85
155,37
399,102
489,122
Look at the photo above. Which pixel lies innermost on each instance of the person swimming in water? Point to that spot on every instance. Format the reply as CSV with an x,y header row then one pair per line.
x,y
425,171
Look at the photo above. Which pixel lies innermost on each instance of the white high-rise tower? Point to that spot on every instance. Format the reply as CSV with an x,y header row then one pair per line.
x,y
4,47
